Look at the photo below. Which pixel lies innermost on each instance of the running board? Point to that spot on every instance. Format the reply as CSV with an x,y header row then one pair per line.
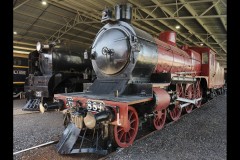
x,y
32,105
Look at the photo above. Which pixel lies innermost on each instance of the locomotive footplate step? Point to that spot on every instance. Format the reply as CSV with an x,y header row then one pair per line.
x,y
32,105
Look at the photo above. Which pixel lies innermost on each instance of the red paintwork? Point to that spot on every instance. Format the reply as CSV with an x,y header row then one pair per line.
x,y
173,59
213,71
162,98
168,37
123,107
195,60
205,67
124,136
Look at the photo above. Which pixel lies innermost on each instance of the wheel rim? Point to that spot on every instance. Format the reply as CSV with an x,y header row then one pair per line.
x,y
125,136
175,113
198,94
190,95
159,119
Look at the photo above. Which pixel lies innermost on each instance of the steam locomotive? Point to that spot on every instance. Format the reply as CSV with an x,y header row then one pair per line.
x,y
140,79
55,68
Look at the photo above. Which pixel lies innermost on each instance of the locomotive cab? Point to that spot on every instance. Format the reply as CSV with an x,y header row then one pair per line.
x,y
208,60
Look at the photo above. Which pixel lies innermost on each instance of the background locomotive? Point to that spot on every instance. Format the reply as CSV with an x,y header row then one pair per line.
x,y
55,69
20,72
139,79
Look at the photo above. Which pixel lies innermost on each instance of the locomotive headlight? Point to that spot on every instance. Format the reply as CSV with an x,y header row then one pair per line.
x,y
38,46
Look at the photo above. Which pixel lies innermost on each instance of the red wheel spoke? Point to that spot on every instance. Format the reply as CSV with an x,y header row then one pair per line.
x,y
125,135
128,133
159,121
121,135
132,121
120,129
189,94
131,128
175,113
130,115
198,93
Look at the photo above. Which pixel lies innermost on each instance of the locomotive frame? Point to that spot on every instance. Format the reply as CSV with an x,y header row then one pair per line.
x,y
140,79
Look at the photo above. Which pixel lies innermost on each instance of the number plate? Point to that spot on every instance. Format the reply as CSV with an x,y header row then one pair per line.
x,y
38,94
96,106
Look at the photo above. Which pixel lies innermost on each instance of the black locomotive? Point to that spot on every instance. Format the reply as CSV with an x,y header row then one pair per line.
x,y
55,69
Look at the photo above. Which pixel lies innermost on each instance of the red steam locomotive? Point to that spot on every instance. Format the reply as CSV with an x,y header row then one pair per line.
x,y
140,79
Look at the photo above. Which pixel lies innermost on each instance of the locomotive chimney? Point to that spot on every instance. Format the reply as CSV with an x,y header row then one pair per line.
x,y
123,12
168,37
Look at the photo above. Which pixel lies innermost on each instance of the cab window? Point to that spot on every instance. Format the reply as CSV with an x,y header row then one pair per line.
x,y
205,58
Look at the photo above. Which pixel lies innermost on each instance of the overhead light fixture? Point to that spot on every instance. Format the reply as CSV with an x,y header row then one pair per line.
x,y
177,27
44,2
201,44
14,32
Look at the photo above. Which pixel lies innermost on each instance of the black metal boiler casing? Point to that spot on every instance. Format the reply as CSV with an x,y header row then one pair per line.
x,y
57,60
122,51
56,70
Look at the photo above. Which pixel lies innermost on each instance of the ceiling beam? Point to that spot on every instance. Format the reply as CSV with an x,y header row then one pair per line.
x,y
68,26
182,23
193,12
223,20
49,21
47,35
54,30
174,4
225,5
73,41
20,5
24,43
23,48
22,52
209,8
71,24
176,18
64,16
89,13
162,22
145,28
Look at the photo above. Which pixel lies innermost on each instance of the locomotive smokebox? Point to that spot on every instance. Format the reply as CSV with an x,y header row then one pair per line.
x,y
123,12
